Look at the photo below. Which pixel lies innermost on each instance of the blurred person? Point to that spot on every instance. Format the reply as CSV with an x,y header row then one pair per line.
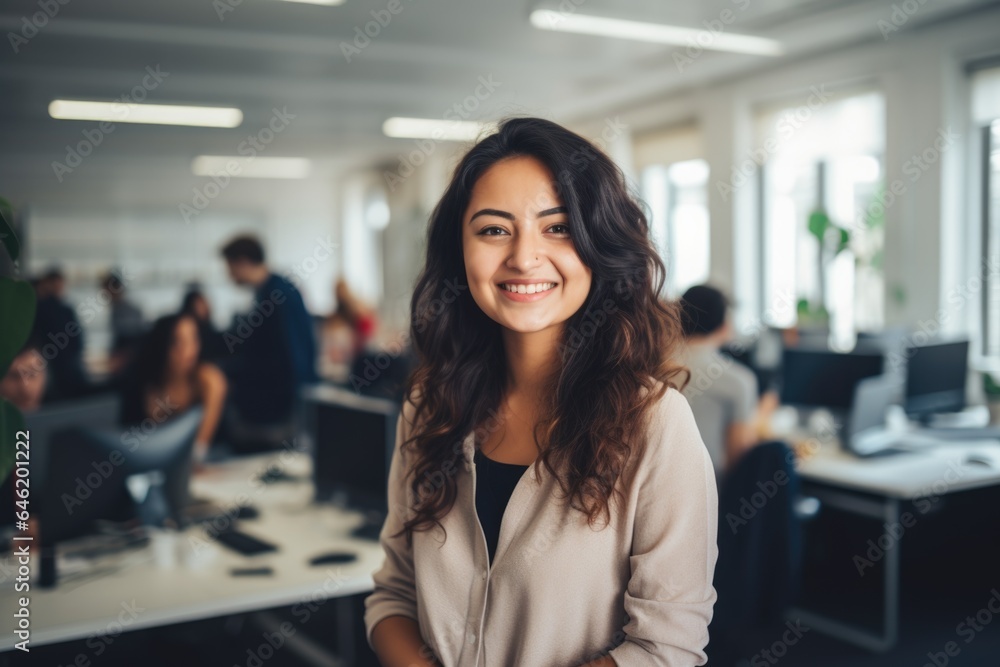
x,y
195,304
127,323
57,329
346,332
721,391
23,385
272,348
574,434
356,313
169,377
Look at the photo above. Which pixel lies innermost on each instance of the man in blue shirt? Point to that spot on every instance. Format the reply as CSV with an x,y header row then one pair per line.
x,y
272,348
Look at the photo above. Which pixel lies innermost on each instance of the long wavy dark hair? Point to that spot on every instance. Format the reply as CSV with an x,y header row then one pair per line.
x,y
616,350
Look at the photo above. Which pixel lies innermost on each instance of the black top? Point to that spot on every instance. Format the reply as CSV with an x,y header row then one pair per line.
x,y
495,482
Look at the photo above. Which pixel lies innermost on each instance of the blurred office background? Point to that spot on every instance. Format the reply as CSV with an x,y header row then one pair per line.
x,y
833,168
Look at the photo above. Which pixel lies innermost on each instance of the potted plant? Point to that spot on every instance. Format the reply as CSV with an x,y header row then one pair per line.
x,y
831,240
991,388
17,312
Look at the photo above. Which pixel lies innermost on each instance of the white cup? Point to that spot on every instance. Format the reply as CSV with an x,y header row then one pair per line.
x,y
163,542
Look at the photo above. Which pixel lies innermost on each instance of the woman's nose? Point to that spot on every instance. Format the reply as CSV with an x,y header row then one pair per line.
x,y
524,253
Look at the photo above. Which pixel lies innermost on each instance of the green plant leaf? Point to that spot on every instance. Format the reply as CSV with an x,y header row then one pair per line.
x,y
819,221
990,385
17,312
7,235
845,239
11,421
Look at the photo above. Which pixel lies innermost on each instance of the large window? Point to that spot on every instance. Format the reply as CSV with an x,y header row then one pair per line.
x,y
822,226
677,197
674,185
991,244
986,116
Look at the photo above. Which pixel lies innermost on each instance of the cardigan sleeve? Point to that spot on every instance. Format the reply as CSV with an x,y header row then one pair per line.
x,y
395,588
670,596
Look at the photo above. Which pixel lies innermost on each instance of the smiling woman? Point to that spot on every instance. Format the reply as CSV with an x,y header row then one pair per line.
x,y
551,501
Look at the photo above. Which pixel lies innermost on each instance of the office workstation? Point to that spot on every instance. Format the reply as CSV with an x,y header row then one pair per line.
x,y
238,237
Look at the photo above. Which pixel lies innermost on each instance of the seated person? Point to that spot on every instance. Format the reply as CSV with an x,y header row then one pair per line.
x,y
58,329
722,392
169,377
196,305
23,385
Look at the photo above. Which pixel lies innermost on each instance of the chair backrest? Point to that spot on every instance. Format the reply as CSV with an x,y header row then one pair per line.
x,y
760,543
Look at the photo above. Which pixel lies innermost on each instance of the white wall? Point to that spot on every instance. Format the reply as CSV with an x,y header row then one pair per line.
x,y
929,230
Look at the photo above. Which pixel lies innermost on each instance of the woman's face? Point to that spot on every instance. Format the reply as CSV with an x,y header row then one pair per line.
x,y
186,346
199,307
520,262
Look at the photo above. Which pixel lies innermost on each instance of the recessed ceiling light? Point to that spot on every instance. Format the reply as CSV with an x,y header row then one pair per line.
x,y
548,19
242,166
152,114
429,128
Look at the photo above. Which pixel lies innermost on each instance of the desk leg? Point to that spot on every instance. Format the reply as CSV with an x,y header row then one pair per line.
x,y
888,510
346,630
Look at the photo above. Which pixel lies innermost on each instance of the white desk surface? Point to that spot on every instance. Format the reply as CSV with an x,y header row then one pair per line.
x,y
906,476
85,607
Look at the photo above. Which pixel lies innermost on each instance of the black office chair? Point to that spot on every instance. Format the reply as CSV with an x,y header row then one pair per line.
x,y
758,572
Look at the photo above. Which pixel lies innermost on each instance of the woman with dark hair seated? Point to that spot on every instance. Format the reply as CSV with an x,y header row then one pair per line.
x,y
195,304
551,501
169,377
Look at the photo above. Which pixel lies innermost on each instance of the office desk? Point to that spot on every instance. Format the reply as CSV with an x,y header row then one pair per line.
x,y
876,487
80,609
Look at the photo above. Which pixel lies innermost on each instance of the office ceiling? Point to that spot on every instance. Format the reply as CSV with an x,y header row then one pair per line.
x,y
260,55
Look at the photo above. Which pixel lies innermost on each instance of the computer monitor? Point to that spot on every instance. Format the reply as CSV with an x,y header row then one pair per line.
x,y
936,375
88,473
872,398
93,412
352,442
825,379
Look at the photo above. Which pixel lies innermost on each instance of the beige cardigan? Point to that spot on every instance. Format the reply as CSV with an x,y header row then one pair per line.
x,y
560,593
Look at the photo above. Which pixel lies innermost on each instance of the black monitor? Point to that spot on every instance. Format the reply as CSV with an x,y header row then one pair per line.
x,y
92,412
88,472
352,442
936,376
825,379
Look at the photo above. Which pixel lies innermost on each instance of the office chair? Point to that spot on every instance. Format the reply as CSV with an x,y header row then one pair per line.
x,y
757,576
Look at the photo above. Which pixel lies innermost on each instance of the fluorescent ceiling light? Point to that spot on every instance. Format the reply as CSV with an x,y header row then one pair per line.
x,y
152,114
548,19
328,3
429,128
243,166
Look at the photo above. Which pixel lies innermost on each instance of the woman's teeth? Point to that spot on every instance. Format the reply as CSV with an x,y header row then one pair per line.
x,y
528,289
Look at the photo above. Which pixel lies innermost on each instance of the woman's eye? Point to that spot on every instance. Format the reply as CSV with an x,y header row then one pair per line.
x,y
491,231
559,229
